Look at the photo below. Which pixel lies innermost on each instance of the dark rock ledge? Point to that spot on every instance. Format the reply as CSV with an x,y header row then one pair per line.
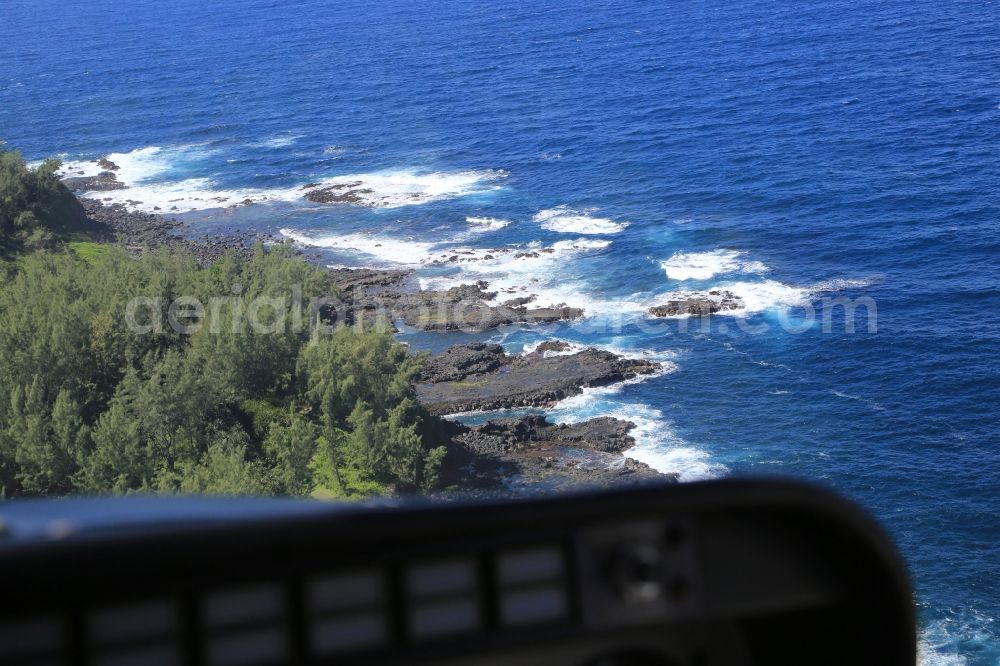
x,y
529,451
102,182
380,297
141,232
531,455
480,376
699,304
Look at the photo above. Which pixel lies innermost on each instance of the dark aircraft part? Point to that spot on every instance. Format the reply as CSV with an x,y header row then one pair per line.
x,y
715,573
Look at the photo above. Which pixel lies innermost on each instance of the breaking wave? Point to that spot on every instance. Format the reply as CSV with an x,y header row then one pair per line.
x,y
161,179
705,265
570,221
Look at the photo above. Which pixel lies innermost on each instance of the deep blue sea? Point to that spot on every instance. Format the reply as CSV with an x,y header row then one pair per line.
x,y
792,153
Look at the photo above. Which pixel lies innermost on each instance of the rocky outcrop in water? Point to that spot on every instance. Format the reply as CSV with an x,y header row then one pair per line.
x,y
347,193
556,346
699,304
503,436
532,454
102,182
382,298
461,361
468,308
479,376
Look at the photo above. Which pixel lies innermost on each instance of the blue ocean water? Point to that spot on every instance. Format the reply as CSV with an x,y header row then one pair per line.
x,y
790,152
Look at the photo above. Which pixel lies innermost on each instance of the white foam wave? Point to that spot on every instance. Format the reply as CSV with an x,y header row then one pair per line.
x,y
766,295
147,172
663,357
502,263
407,187
282,141
383,248
570,349
487,223
655,443
569,221
188,195
134,167
756,296
936,646
962,636
843,284
704,265
519,270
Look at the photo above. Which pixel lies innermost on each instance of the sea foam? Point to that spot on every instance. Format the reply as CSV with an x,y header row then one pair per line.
x,y
160,179
655,443
407,187
570,221
512,266
486,223
766,295
755,296
940,640
525,270
705,265
385,250
134,167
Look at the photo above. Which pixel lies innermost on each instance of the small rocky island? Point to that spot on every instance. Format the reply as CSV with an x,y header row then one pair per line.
x,y
699,304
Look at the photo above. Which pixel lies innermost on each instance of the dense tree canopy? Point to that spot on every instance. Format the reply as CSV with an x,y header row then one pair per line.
x,y
222,380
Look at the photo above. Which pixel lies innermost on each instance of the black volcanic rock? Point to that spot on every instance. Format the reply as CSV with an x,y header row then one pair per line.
x,y
381,297
460,361
466,378
533,455
140,231
102,182
698,304
552,345
605,434
349,193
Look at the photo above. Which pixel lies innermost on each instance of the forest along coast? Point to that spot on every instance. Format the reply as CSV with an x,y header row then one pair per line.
x,y
354,414
505,454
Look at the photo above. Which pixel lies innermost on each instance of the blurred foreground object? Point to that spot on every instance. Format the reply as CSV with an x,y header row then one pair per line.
x,y
714,573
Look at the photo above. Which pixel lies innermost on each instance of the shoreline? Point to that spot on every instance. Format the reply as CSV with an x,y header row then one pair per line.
x,y
508,454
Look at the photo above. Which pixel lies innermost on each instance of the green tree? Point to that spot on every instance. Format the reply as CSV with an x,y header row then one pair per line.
x,y
35,207
119,460
225,470
292,447
89,403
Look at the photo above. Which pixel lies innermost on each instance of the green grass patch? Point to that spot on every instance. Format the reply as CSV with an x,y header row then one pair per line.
x,y
89,252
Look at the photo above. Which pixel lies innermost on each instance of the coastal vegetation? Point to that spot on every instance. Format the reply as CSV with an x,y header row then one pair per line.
x,y
36,210
91,402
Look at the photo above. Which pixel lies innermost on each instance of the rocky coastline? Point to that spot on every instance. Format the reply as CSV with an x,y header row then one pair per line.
x,y
529,454
141,232
503,455
382,297
483,377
